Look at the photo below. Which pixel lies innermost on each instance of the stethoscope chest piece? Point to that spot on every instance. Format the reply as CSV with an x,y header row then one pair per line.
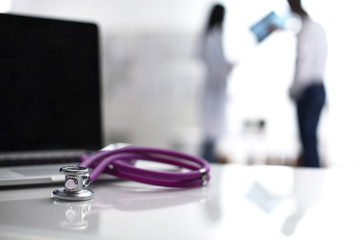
x,y
76,180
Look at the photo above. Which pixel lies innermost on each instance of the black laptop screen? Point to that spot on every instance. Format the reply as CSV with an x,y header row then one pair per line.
x,y
49,84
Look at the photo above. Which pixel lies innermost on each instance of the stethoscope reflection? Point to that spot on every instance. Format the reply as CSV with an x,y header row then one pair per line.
x,y
307,190
127,197
134,197
74,214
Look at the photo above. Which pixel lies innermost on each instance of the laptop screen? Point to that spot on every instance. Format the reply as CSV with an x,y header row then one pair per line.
x,y
49,84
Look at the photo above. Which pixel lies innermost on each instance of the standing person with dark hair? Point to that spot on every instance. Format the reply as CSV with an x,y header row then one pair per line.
x,y
214,89
308,89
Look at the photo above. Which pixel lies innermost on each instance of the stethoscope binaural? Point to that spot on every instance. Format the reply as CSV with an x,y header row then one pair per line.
x,y
120,163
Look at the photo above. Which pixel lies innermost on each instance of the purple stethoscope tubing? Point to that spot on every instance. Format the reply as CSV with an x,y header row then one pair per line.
x,y
120,163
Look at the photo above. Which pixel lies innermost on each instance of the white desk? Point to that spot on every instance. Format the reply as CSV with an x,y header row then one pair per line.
x,y
258,202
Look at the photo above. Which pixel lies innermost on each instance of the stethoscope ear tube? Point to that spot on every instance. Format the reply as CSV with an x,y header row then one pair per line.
x,y
120,163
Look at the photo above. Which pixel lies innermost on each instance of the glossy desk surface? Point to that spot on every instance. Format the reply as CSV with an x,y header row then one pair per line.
x,y
256,202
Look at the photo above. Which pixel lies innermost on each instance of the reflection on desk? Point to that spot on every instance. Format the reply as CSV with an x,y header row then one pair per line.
x,y
255,202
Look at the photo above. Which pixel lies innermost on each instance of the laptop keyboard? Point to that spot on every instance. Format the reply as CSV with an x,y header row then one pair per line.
x,y
39,158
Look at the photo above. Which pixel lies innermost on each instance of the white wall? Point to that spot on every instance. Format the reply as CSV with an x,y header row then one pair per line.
x,y
122,15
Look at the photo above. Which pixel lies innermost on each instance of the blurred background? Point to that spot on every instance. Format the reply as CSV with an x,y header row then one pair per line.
x,y
152,75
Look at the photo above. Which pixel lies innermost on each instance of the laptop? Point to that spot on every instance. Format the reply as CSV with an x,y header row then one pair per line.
x,y
50,96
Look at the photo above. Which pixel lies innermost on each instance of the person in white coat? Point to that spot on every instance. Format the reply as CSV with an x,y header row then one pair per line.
x,y
214,88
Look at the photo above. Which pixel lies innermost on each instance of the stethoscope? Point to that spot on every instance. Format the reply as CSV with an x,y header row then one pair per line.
x,y
121,163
